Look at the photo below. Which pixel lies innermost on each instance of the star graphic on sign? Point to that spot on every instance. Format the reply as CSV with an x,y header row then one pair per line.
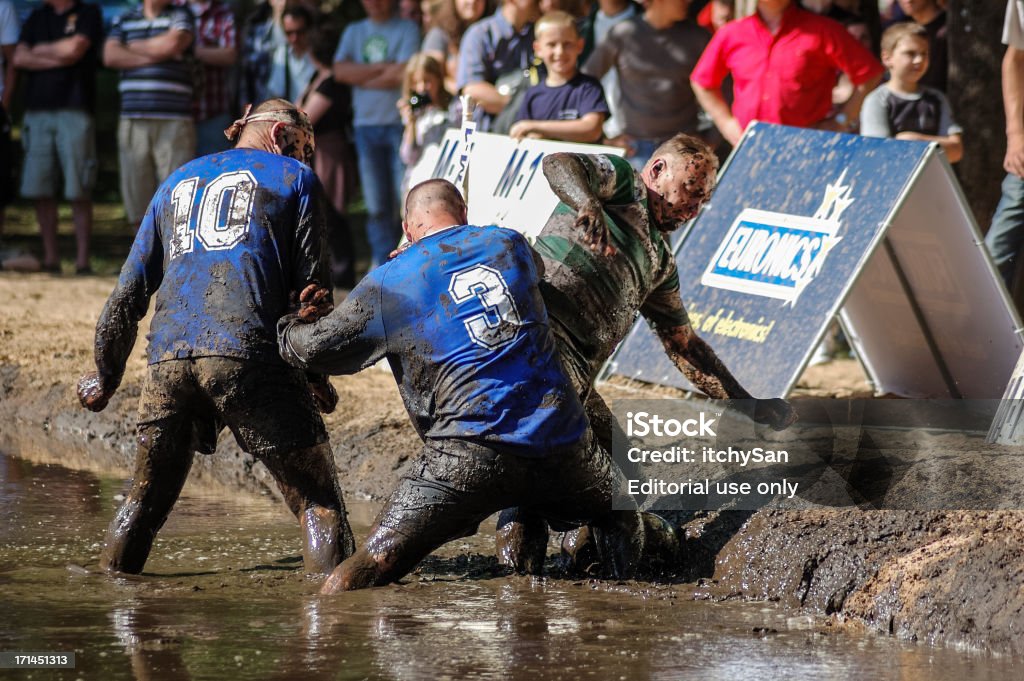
x,y
798,288
841,204
836,201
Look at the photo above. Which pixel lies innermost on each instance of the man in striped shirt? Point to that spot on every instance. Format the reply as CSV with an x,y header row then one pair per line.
x,y
151,46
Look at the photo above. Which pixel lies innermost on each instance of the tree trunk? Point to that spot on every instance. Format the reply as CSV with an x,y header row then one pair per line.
x,y
974,31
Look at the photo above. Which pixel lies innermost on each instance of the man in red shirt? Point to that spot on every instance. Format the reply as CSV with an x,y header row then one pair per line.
x,y
784,62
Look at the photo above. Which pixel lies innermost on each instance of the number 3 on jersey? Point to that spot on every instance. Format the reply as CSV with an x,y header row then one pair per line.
x,y
499,324
224,209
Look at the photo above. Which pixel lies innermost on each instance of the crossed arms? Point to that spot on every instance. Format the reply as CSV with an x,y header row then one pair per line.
x,y
138,53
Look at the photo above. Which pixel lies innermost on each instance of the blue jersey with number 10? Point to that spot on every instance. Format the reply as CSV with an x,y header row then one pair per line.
x,y
226,239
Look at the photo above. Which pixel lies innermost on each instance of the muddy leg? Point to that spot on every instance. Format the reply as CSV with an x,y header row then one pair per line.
x,y
161,467
423,513
619,537
387,556
608,432
579,552
662,546
521,541
309,482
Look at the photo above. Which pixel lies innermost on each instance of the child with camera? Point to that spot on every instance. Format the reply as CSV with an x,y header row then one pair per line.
x,y
424,108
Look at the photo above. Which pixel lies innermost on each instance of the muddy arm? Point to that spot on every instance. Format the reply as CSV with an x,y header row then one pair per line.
x,y
312,266
700,364
118,324
573,183
570,181
346,341
705,370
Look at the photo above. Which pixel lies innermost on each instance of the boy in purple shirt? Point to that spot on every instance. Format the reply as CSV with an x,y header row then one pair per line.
x,y
568,105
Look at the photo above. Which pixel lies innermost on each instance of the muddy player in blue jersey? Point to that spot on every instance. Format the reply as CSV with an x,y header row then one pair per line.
x,y
227,239
459,316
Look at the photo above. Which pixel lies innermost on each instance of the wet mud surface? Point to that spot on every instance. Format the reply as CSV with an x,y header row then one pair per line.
x,y
949,577
944,578
223,596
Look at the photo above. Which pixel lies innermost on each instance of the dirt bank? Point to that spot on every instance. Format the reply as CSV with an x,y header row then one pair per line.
x,y
46,332
945,577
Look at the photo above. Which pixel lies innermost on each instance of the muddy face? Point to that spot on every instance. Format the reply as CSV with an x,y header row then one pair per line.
x,y
677,192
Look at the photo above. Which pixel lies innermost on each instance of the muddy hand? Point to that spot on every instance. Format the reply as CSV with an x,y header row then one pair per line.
x,y
776,413
399,250
92,392
314,303
324,394
590,220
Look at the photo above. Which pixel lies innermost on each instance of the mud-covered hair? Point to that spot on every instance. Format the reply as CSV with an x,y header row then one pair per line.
x,y
894,34
269,112
683,146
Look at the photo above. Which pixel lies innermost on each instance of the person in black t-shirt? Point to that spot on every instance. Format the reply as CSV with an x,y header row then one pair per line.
x,y
58,50
328,104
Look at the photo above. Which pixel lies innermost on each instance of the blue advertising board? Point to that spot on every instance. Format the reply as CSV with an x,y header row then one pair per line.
x,y
796,217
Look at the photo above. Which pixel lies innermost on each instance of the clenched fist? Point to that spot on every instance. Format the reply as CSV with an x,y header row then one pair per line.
x,y
93,391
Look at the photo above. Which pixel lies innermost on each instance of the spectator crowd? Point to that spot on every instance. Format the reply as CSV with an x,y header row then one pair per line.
x,y
607,71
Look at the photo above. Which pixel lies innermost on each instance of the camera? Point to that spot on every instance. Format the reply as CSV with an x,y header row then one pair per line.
x,y
418,100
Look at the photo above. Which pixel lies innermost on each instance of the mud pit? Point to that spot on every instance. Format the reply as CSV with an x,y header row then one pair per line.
x,y
937,577
224,597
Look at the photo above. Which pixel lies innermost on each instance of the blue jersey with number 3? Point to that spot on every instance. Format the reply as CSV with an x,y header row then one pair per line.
x,y
226,239
460,318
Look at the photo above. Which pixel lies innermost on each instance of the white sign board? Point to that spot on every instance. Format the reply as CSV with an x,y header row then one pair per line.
x,y
506,184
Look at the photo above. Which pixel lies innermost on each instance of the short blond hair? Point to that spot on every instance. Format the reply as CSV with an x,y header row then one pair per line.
x,y
555,19
894,34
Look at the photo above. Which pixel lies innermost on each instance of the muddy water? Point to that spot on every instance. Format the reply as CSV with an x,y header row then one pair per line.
x,y
224,597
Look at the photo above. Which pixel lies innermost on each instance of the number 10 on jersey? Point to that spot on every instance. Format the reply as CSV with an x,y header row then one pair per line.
x,y
224,211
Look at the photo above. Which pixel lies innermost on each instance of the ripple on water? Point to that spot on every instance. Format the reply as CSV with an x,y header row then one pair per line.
x,y
225,597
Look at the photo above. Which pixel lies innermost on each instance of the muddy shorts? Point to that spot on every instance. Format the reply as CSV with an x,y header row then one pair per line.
x,y
268,407
449,493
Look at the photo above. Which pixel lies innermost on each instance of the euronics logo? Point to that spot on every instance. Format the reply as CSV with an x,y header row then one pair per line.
x,y
777,255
